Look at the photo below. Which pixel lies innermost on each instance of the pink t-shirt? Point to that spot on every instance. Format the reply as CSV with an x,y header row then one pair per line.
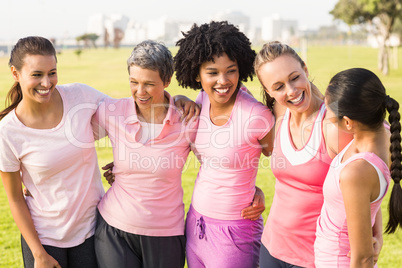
x,y
332,243
59,167
289,233
229,157
146,197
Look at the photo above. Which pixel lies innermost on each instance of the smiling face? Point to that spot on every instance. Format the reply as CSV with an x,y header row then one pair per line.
x,y
219,79
37,78
147,88
286,80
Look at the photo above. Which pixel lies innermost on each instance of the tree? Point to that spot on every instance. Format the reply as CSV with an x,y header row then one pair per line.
x,y
88,38
379,15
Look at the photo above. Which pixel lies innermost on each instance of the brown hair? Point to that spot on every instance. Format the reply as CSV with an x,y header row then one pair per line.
x,y
31,45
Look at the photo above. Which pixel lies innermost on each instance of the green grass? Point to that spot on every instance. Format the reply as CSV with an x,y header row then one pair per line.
x,y
105,69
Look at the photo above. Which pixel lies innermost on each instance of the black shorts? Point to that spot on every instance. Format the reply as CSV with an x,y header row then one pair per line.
x,y
267,260
75,257
116,248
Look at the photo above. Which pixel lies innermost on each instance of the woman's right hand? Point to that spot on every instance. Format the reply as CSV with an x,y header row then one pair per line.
x,y
108,174
46,261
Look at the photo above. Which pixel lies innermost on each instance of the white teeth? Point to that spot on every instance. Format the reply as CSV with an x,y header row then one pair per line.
x,y
296,101
43,91
222,91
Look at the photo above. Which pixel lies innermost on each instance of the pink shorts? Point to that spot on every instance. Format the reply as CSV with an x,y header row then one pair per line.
x,y
222,243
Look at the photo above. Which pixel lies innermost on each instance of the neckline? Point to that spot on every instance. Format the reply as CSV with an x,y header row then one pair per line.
x,y
231,113
322,106
61,93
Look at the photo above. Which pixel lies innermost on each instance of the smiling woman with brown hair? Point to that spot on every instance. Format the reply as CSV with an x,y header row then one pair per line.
x,y
38,149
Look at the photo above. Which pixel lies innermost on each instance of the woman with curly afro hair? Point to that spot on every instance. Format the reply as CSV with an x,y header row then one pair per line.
x,y
234,129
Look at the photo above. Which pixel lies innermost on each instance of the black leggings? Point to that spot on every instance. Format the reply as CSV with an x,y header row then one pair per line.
x,y
268,261
75,257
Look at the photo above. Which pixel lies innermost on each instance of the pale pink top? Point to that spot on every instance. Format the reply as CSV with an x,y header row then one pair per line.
x,y
146,197
59,167
289,233
229,157
332,242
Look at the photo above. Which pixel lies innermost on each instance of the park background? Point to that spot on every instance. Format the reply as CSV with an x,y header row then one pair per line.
x,y
105,69
327,45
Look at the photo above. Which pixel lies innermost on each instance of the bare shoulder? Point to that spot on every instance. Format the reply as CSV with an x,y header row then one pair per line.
x,y
359,174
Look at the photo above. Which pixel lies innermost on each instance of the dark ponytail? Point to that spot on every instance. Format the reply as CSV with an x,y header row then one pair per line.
x,y
359,94
395,202
31,45
14,96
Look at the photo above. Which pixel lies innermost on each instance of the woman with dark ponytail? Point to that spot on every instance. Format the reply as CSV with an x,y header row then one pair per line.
x,y
359,176
32,46
47,144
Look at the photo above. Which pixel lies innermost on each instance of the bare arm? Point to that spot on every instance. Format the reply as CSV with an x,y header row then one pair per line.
x,y
267,142
254,211
22,217
357,195
377,236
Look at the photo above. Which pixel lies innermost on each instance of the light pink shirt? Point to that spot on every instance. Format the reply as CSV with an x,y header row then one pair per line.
x,y
59,167
289,233
332,243
229,157
146,197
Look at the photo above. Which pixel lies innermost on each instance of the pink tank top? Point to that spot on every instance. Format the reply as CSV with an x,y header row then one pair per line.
x,y
332,242
290,230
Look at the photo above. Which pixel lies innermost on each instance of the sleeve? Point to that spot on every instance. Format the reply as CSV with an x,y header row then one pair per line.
x,y
96,97
91,94
9,161
191,130
200,97
261,120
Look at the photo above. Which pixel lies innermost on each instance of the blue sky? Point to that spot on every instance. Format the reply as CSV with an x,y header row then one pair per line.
x,y
58,18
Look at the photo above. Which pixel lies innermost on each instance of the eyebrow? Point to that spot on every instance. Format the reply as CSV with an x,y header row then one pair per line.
x,y
37,71
230,66
288,76
147,81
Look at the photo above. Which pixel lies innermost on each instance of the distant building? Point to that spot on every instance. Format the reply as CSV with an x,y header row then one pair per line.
x,y
393,41
275,28
170,30
107,27
135,33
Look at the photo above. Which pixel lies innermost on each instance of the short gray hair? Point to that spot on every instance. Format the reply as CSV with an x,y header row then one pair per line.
x,y
154,56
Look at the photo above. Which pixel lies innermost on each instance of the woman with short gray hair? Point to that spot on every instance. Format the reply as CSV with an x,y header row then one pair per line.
x,y
141,217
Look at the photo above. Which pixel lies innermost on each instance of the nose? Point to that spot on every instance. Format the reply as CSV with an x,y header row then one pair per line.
x,y
140,89
45,81
292,91
223,79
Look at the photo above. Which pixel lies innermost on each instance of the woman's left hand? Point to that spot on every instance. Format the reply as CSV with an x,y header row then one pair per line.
x,y
188,108
254,211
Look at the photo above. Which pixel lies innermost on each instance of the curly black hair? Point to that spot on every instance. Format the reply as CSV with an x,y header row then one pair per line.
x,y
203,42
